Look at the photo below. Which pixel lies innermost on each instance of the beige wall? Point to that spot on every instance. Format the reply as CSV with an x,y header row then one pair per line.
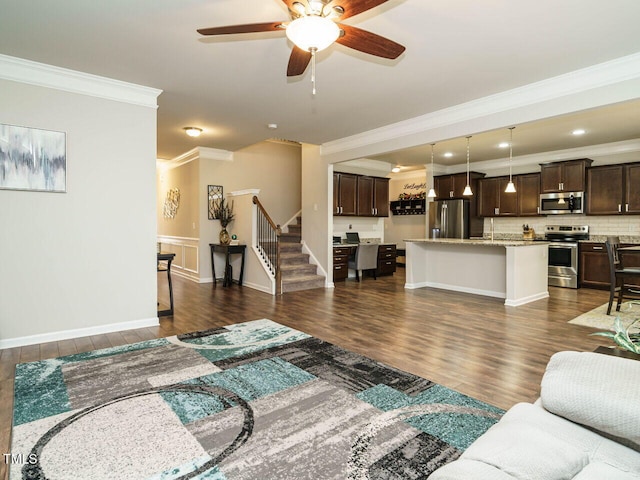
x,y
398,228
83,261
187,219
317,206
272,168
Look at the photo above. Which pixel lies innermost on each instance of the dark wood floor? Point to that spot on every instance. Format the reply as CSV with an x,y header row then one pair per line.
x,y
473,344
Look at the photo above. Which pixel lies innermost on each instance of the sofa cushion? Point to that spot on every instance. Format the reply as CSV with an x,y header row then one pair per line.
x,y
531,443
524,447
595,390
602,471
463,469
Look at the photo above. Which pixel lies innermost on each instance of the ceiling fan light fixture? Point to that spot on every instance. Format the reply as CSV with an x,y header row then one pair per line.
x,y
193,131
313,32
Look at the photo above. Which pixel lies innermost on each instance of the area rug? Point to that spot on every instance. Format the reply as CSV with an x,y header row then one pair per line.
x,y
254,400
598,318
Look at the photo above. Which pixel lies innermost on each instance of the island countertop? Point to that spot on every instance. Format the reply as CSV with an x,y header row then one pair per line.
x,y
516,270
478,241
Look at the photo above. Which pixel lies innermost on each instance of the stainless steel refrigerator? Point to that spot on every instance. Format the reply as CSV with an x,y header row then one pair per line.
x,y
449,218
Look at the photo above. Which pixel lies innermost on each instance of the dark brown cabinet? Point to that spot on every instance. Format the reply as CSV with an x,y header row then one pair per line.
x,y
569,176
340,263
360,195
613,189
528,188
386,259
632,188
452,186
344,194
493,201
593,265
373,196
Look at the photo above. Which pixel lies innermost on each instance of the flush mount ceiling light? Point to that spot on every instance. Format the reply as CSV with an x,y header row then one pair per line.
x,y
448,154
511,188
193,131
503,145
396,169
579,131
467,189
432,191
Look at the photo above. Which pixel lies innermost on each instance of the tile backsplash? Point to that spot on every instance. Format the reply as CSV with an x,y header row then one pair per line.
x,y
627,227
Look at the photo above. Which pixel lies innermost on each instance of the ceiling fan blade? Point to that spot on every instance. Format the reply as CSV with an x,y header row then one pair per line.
x,y
246,28
298,62
354,7
368,42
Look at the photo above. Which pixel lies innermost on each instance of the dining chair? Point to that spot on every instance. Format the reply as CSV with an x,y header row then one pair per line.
x,y
620,276
366,258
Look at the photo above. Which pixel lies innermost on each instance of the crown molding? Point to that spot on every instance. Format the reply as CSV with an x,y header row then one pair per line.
x,y
42,75
197,153
579,81
535,159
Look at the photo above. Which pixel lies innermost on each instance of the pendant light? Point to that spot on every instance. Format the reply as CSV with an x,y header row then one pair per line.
x,y
511,188
432,192
467,190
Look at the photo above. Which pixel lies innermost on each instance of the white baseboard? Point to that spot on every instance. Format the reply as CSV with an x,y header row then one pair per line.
x,y
78,332
530,298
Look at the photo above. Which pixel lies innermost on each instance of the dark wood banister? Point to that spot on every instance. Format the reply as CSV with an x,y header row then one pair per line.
x,y
276,228
277,231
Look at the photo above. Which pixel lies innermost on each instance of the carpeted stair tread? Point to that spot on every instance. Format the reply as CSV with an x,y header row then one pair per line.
x,y
294,258
303,282
289,271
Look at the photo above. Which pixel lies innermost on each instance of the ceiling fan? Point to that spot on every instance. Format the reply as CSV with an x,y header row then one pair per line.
x,y
314,26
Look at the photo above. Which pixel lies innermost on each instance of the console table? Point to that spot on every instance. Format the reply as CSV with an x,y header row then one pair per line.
x,y
228,250
166,257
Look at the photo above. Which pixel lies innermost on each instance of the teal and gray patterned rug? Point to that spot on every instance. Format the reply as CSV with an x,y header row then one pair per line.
x,y
255,400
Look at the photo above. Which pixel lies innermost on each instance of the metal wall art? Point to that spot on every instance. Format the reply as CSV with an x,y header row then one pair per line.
x,y
171,203
215,195
32,159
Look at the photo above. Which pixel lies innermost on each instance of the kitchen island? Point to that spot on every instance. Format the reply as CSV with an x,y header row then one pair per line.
x,y
511,269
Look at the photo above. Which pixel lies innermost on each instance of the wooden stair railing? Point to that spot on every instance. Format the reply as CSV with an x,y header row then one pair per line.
x,y
268,242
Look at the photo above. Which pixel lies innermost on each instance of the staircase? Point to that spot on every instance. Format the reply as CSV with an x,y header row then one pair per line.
x,y
295,270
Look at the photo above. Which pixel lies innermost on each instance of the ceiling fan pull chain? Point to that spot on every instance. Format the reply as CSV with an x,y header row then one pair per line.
x,y
313,70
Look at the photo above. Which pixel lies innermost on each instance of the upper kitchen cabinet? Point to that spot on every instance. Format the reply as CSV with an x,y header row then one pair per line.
x,y
452,186
345,199
528,188
613,189
567,176
493,201
373,196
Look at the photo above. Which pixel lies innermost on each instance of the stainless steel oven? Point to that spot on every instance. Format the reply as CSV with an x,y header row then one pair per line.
x,y
563,253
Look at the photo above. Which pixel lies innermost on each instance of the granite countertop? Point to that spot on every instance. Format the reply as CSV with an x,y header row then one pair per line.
x,y
478,241
623,239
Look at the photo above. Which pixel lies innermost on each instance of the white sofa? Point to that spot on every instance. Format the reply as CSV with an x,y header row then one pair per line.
x,y
584,426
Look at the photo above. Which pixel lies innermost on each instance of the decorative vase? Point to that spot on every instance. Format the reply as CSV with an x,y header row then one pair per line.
x,y
225,239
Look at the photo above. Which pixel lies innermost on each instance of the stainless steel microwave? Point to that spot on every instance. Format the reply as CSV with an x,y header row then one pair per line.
x,y
561,202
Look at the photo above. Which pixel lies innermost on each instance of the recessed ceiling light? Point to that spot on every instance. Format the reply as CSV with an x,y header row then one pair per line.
x,y
448,154
579,131
503,145
193,131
